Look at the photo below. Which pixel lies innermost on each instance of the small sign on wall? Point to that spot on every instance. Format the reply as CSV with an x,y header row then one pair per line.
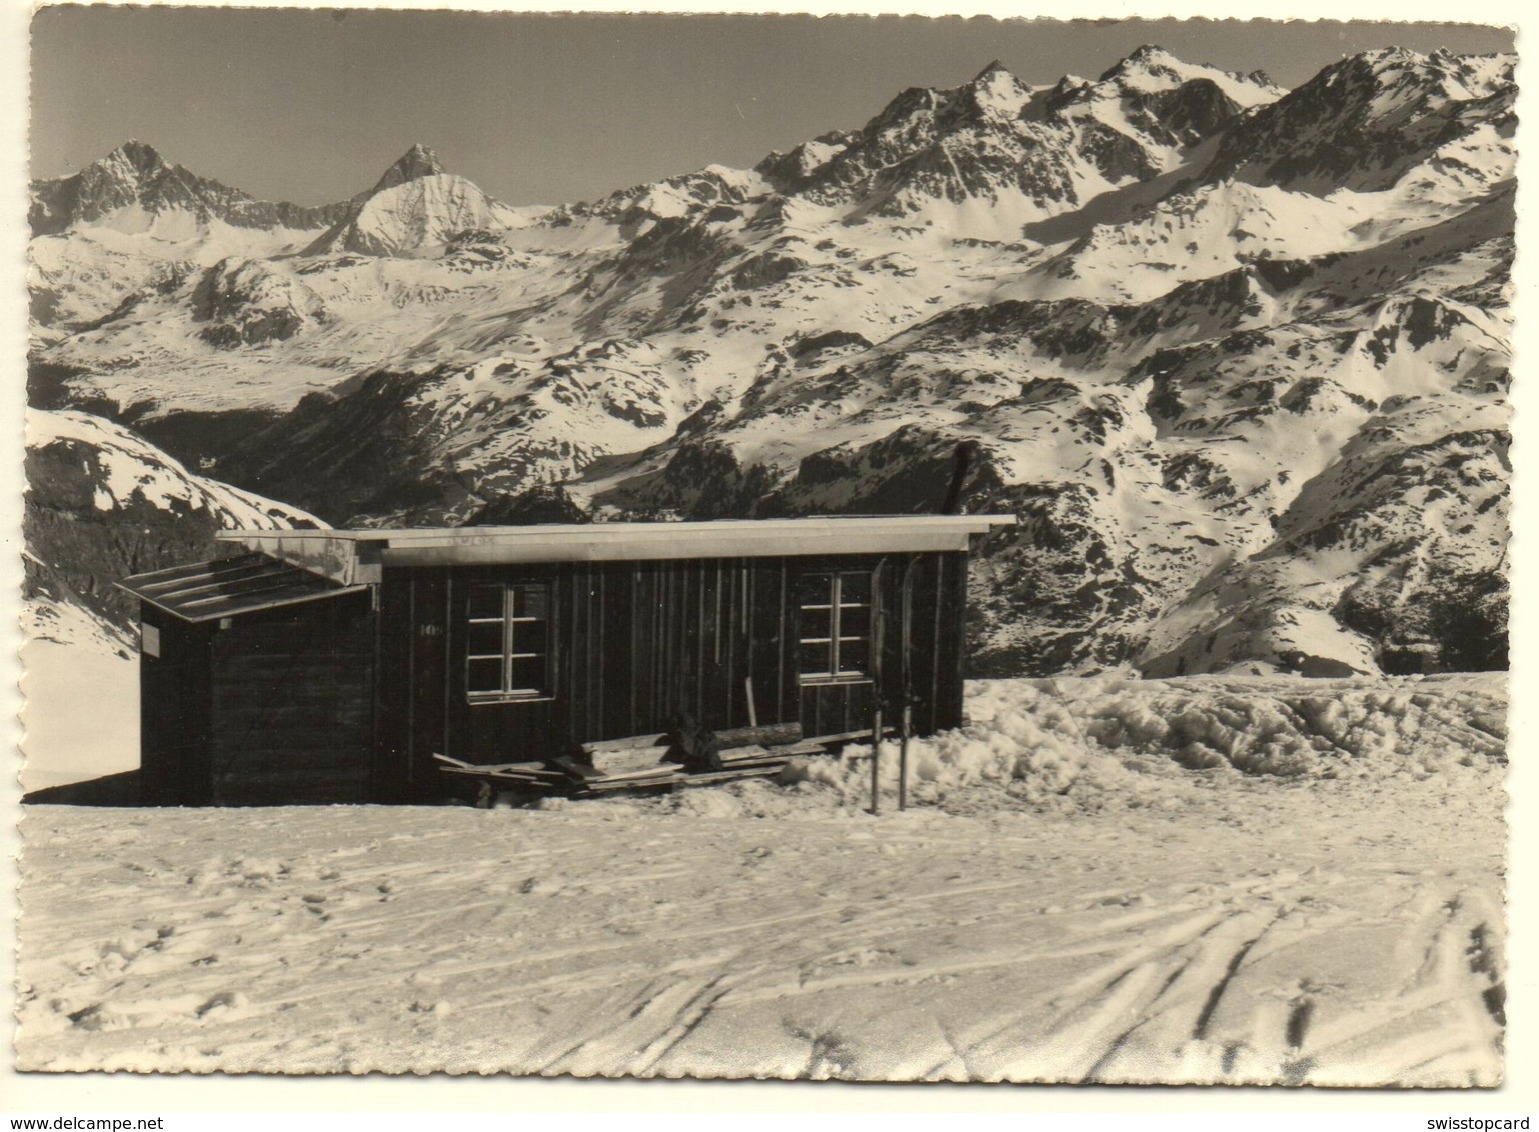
x,y
149,639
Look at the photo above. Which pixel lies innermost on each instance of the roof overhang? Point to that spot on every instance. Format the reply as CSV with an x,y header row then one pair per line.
x,y
357,556
207,591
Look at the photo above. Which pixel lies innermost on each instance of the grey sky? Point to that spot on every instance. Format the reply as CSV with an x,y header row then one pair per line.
x,y
311,106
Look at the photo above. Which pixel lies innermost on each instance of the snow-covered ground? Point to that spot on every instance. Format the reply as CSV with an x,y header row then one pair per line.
x,y
1199,879
81,686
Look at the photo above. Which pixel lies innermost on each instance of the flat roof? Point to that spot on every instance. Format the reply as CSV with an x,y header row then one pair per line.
x,y
204,591
354,556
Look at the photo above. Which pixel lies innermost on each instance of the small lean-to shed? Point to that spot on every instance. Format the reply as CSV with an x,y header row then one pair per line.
x,y
332,666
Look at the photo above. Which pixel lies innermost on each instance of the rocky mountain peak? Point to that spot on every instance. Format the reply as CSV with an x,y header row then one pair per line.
x,y
996,139
1149,55
1392,55
417,162
1385,66
996,89
134,158
416,204
1441,72
1363,121
1147,62
136,176
1151,69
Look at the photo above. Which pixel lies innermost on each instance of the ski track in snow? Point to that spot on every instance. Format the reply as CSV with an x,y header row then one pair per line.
x,y
1242,929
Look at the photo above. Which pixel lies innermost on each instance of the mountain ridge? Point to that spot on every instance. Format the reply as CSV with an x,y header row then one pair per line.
x,y
1239,369
136,175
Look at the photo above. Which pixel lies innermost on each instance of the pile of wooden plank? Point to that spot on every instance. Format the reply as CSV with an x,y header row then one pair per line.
x,y
643,762
634,763
755,752
754,755
530,775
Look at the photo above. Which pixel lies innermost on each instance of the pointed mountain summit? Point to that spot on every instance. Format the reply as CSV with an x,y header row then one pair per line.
x,y
133,186
1162,105
1151,69
996,89
1148,59
416,204
418,161
136,156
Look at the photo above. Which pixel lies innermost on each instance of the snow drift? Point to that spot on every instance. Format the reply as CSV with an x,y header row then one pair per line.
x,y
1120,743
1195,880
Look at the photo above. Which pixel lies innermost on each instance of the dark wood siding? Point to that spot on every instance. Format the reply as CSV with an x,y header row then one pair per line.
x,y
331,701
292,705
932,683
174,713
394,637
427,686
950,642
638,644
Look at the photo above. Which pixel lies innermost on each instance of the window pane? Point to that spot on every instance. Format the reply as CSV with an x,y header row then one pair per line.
x,y
853,657
528,675
855,622
484,675
485,638
814,660
485,601
855,587
531,601
815,623
508,640
813,589
529,636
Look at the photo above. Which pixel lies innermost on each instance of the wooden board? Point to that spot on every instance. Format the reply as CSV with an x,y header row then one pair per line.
x,y
848,736
587,773
662,770
324,552
625,744
554,777
769,735
798,750
627,760
650,782
727,775
752,764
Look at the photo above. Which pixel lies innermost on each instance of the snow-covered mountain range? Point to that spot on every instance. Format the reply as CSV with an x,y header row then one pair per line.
x,y
103,503
1236,356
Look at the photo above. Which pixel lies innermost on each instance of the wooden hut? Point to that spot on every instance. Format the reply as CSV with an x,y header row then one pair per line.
x,y
333,666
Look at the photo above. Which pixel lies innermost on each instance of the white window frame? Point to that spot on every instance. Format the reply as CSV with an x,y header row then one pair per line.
x,y
506,693
837,638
